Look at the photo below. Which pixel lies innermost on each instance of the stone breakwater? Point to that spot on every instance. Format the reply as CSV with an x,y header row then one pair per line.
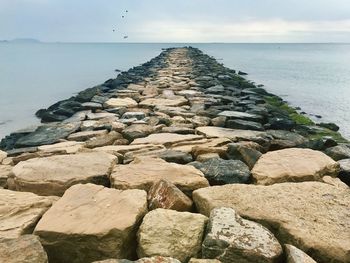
x,y
177,160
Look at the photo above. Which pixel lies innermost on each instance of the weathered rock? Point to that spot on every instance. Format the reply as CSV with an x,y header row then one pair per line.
x,y
5,172
135,131
344,173
339,152
120,102
91,222
143,173
171,234
166,138
19,212
178,129
244,125
24,249
103,140
245,151
196,260
47,134
156,259
131,115
295,255
61,148
152,102
3,155
173,156
200,121
310,215
53,175
231,238
285,139
102,116
219,171
85,135
240,115
164,194
293,165
124,149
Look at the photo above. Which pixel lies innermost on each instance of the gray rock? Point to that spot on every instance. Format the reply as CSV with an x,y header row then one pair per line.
x,y
231,238
131,115
295,255
47,134
176,157
244,125
244,151
240,115
344,173
135,131
339,152
219,171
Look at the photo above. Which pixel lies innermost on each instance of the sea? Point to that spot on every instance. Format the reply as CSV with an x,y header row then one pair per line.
x,y
314,77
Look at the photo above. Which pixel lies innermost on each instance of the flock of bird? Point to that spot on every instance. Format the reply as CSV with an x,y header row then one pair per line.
x,y
123,16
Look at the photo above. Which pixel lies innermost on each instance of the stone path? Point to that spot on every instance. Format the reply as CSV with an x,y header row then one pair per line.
x,y
177,160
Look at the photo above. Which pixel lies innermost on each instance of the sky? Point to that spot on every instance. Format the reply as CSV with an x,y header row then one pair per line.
x,y
185,21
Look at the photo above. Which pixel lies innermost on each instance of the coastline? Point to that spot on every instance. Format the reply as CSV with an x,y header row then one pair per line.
x,y
177,159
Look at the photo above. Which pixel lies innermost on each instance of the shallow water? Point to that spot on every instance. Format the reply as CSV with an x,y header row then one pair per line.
x,y
315,77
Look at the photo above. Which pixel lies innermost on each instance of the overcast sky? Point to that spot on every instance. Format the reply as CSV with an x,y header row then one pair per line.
x,y
176,20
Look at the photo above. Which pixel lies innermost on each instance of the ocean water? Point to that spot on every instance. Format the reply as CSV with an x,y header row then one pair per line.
x,y
315,77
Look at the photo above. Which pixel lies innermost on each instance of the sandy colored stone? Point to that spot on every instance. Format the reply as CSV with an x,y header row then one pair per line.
x,y
123,149
295,255
156,259
293,165
3,155
231,238
170,233
197,260
24,249
53,175
152,102
120,102
164,194
5,172
19,212
235,135
91,222
144,172
61,148
85,135
166,138
311,215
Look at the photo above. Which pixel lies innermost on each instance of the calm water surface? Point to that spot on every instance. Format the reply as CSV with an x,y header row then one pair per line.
x,y
315,77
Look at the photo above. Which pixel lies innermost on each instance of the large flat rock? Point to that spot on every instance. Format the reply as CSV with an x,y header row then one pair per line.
x,y
91,222
310,215
293,165
170,233
19,212
53,175
24,249
120,102
152,102
144,172
166,138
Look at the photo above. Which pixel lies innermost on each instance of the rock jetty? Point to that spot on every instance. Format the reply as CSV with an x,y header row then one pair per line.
x,y
177,160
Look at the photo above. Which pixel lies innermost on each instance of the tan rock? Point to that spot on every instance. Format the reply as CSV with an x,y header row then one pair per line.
x,y
123,149
310,215
24,249
61,148
144,172
190,146
85,135
135,131
164,194
170,233
166,139
120,102
3,155
156,259
103,140
293,165
295,255
196,260
231,238
5,172
152,102
53,175
91,222
19,212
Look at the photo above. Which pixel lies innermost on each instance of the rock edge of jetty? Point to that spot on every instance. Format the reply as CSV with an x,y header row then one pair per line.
x,y
177,160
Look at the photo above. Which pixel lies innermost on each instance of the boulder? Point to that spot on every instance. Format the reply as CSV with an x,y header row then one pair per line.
x,y
197,260
295,255
19,212
244,125
173,156
68,147
144,172
310,215
3,155
91,222
135,131
85,135
219,171
166,139
344,173
170,233
240,115
285,139
339,152
47,134
103,140
156,259
152,102
120,102
293,165
53,175
248,152
5,172
24,249
231,238
164,194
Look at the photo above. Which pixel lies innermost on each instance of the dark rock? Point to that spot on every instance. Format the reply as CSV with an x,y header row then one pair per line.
x,y
137,131
320,144
281,124
331,126
339,152
19,151
47,116
242,73
219,171
285,139
344,173
47,134
244,125
176,157
244,151
87,95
